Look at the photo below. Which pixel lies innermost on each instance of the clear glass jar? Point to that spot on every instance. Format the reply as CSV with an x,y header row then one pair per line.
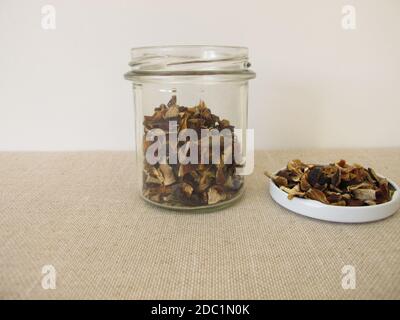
x,y
190,102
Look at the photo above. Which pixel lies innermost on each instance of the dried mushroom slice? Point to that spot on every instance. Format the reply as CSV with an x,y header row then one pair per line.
x,y
215,195
293,192
364,194
304,184
168,174
316,194
172,112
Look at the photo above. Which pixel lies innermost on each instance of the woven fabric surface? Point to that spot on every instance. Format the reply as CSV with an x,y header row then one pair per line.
x,y
81,212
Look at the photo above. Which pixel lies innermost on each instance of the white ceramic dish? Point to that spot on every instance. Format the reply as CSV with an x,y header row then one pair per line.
x,y
321,211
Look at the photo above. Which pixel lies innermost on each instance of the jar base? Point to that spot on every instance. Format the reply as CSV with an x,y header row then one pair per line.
x,y
205,208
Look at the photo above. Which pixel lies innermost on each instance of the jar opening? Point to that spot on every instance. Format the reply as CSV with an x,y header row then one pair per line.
x,y
189,60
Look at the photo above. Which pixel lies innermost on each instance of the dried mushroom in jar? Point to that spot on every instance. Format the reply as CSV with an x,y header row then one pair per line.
x,y
173,182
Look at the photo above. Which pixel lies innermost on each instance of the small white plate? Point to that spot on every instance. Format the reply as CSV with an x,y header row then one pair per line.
x,y
321,211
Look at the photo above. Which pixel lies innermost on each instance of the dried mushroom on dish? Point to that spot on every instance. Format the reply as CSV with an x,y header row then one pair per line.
x,y
187,184
337,184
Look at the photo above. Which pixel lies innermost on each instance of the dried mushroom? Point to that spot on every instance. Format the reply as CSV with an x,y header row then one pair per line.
x,y
188,184
337,184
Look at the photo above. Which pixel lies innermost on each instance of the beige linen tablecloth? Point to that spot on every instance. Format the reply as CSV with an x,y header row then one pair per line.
x,y
81,213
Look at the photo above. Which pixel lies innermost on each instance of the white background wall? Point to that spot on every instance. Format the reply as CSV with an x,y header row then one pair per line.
x,y
317,84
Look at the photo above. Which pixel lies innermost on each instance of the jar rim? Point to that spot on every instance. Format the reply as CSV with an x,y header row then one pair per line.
x,y
189,60
179,46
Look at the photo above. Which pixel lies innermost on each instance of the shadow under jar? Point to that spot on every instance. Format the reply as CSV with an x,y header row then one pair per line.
x,y
191,121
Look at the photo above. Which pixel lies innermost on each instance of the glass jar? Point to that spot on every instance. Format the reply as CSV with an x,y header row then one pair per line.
x,y
191,121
